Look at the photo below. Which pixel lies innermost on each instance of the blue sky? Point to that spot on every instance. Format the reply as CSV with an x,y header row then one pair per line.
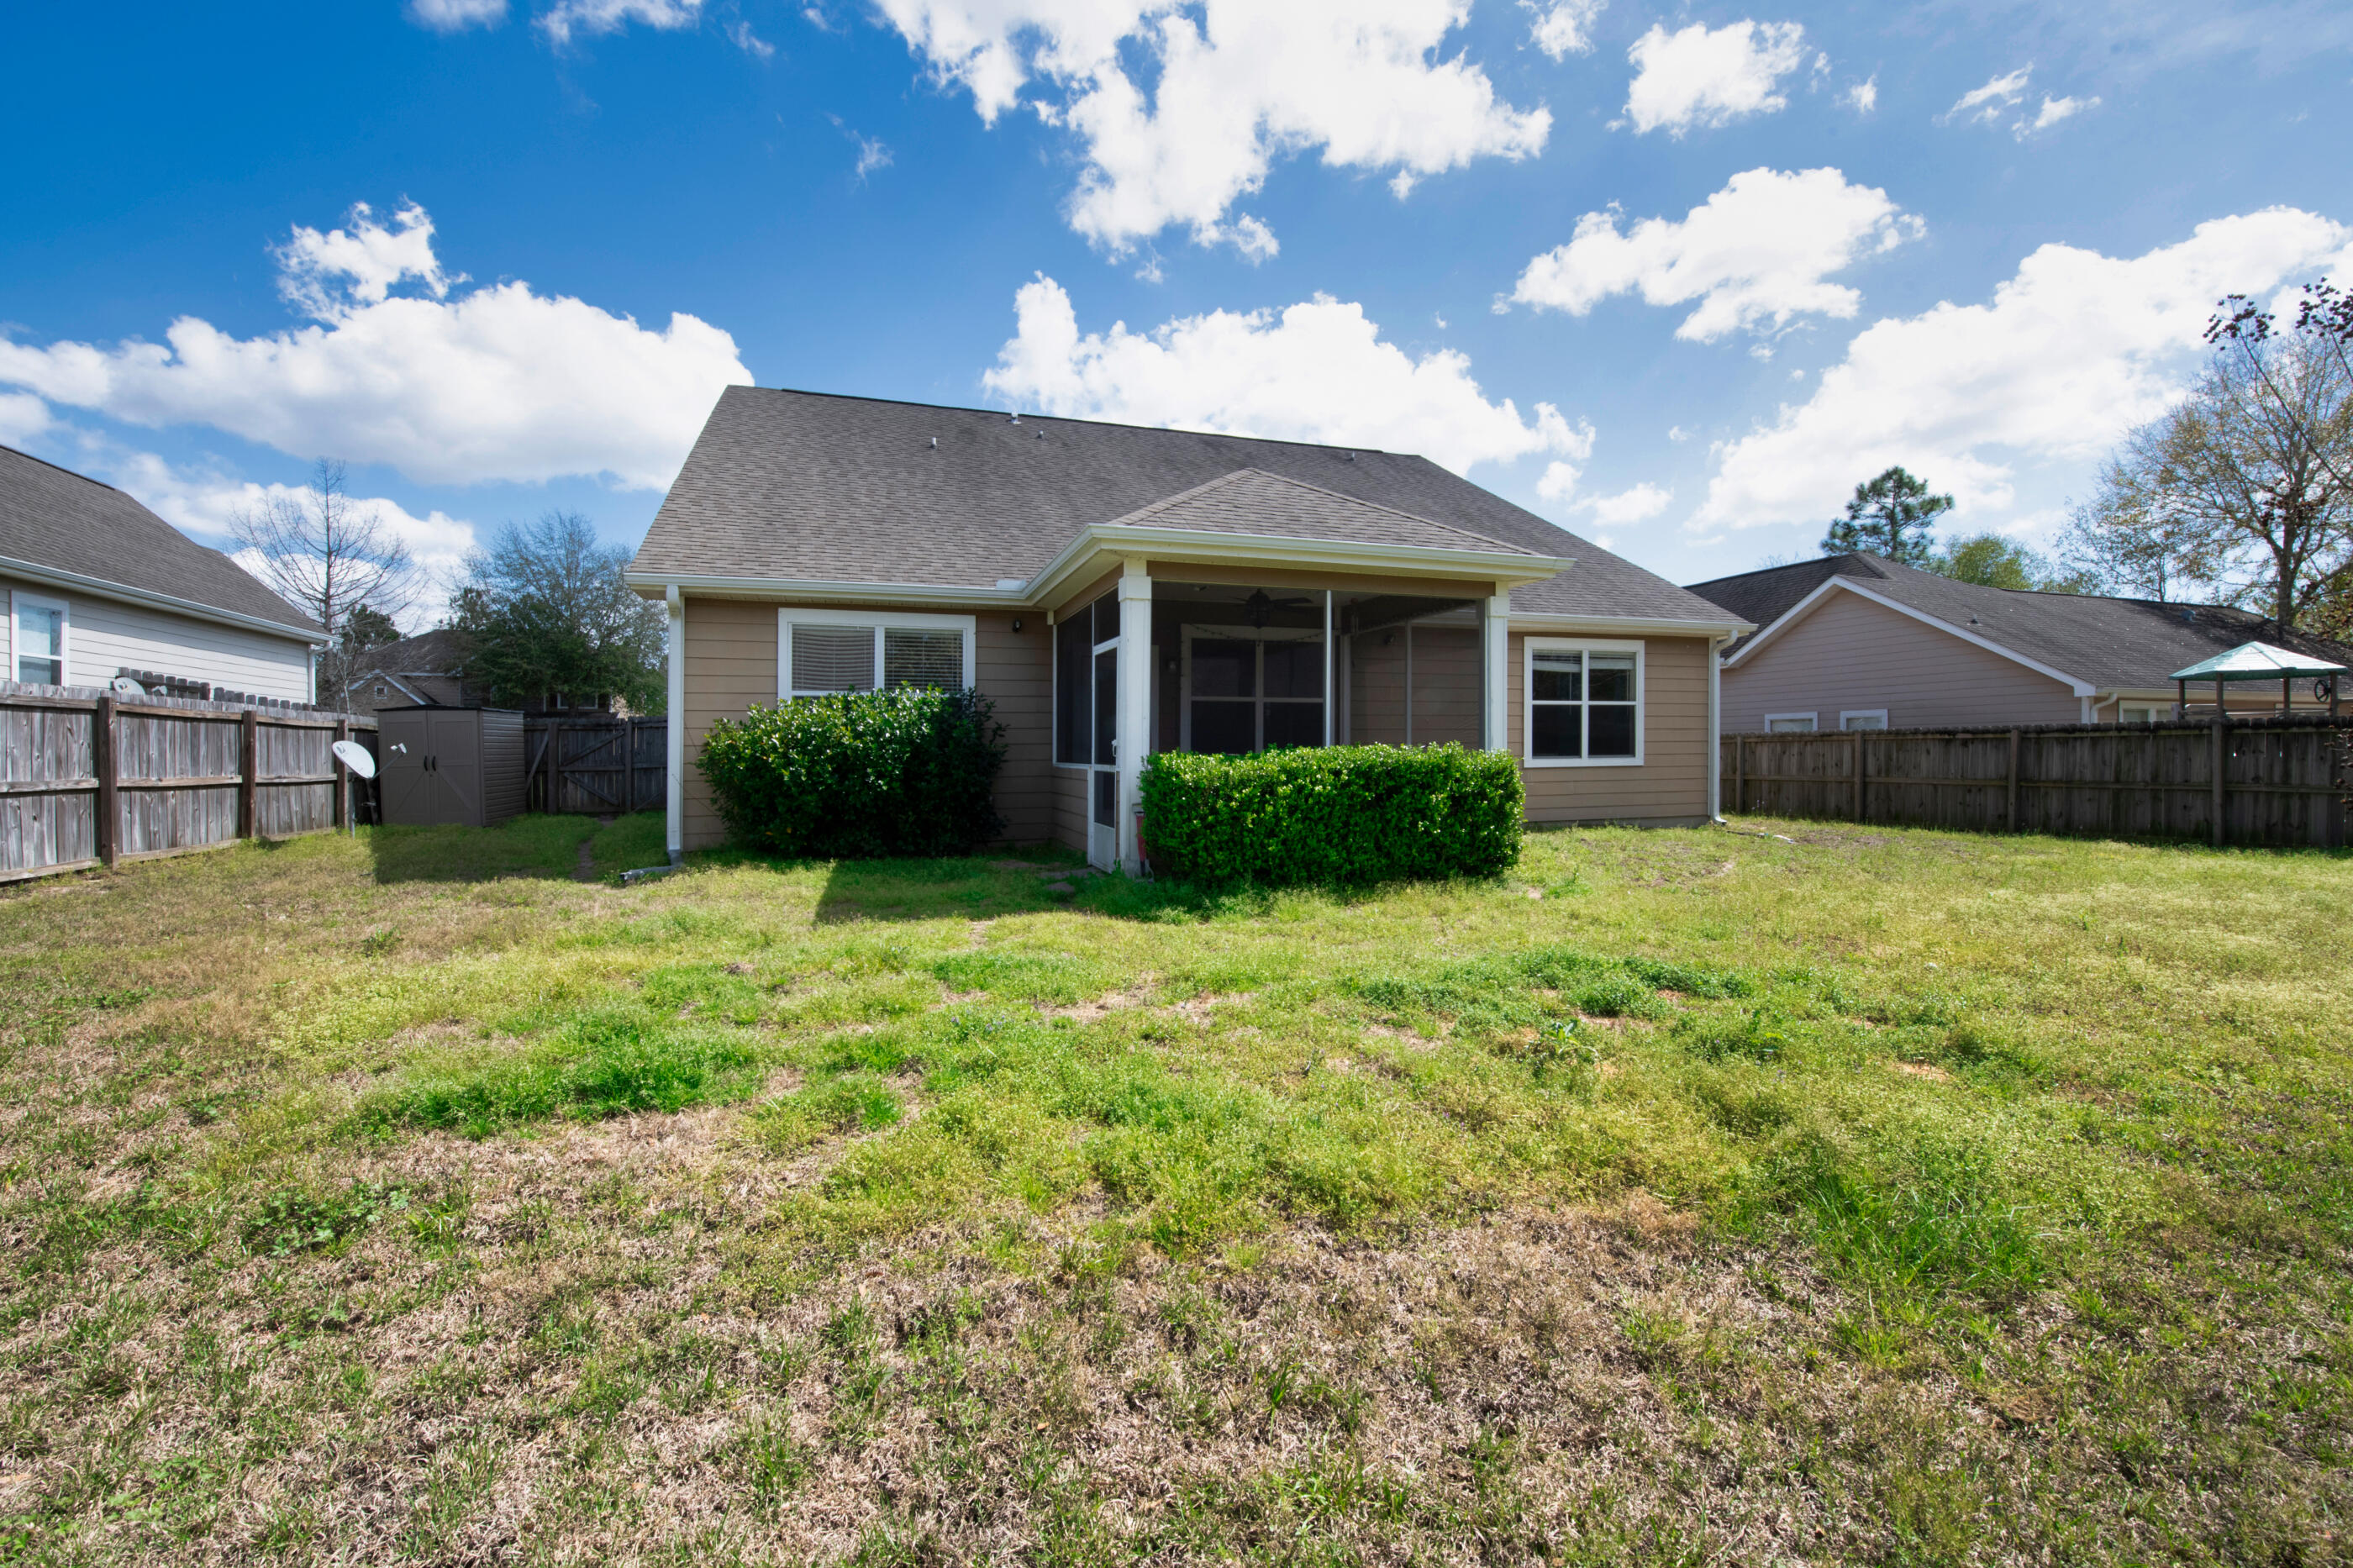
x,y
1675,277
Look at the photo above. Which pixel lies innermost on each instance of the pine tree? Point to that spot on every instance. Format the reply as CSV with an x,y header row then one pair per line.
x,y
1890,516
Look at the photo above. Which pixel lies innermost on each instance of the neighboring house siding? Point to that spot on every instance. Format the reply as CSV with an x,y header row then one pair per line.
x,y
105,638
731,664
1671,784
1851,654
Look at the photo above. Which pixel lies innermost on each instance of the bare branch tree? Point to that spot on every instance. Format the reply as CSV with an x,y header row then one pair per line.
x,y
328,555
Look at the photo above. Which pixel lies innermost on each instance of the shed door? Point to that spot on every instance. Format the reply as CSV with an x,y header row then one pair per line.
x,y
403,786
453,751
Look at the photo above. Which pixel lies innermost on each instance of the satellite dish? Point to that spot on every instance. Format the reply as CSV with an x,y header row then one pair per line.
x,y
354,756
123,686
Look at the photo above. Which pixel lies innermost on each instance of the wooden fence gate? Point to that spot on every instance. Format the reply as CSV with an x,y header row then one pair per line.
x,y
2269,781
596,767
91,779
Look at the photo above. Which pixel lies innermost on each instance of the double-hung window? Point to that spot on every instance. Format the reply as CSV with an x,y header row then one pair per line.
x,y
37,632
1584,703
822,653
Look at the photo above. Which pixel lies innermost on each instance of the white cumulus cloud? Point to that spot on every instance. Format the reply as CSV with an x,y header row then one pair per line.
x,y
2069,353
1755,254
566,18
1640,504
1863,97
1563,27
1698,79
456,15
1312,372
1181,113
452,386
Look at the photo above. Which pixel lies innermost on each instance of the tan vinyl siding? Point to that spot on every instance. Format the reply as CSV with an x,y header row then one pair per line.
x,y
1070,797
731,664
1671,784
1851,654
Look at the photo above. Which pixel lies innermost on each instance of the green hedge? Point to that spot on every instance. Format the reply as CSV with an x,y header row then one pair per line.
x,y
862,774
1346,815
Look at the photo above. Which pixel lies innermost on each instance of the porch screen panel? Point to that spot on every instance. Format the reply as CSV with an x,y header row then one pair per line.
x,y
1107,708
1074,702
833,658
923,658
1294,694
1225,695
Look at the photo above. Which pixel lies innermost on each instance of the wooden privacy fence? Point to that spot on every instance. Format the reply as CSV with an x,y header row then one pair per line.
x,y
2269,781
596,767
91,779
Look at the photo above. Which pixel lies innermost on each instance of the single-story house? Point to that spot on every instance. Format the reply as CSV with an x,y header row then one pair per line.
x,y
1858,641
429,670
96,586
1117,590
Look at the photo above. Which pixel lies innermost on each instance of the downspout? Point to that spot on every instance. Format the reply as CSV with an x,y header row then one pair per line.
x,y
1716,647
674,730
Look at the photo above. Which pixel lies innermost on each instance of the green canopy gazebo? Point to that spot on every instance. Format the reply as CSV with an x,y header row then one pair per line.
x,y
2260,661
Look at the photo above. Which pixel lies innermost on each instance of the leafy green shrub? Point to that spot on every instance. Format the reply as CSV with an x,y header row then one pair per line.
x,y
1333,814
861,774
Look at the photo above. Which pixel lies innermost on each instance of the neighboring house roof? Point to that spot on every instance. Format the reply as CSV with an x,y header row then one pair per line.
x,y
58,526
807,486
443,651
2098,643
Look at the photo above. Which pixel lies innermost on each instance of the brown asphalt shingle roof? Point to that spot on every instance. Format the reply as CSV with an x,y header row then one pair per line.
x,y
1252,501
55,518
807,486
2114,643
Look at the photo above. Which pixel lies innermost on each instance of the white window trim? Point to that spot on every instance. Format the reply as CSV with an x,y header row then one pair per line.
x,y
882,621
1529,647
19,601
1847,713
1813,720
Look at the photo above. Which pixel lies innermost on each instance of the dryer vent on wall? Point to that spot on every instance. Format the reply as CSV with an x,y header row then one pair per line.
x,y
460,766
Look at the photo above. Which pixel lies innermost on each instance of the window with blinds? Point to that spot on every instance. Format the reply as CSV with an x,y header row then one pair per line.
x,y
832,658
923,658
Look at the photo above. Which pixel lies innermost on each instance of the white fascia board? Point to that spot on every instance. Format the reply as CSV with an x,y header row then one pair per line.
x,y
810,591
1619,625
2076,686
98,587
1273,550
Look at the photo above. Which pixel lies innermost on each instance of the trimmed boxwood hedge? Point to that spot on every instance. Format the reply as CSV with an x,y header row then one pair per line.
x,y
1333,814
862,774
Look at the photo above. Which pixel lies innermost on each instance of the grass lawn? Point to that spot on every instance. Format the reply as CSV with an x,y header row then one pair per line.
x,y
1710,1196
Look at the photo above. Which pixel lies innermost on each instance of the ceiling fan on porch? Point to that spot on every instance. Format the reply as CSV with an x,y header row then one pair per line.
x,y
1261,605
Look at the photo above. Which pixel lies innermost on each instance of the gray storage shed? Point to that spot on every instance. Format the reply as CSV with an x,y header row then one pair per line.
x,y
450,765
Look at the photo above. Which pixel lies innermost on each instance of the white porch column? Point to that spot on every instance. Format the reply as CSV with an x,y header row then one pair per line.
x,y
1716,647
1496,690
674,729
1331,687
1134,704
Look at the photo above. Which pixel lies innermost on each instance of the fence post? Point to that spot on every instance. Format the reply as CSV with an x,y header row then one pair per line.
x,y
1740,775
106,820
2011,811
1858,775
343,778
2221,761
248,776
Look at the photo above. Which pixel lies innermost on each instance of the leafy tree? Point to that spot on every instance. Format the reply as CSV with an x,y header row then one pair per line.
x,y
549,611
367,626
1890,516
1993,562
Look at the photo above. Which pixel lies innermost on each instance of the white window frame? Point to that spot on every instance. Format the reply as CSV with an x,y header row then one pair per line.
x,y
2147,711
20,601
1530,647
1813,722
882,621
1847,713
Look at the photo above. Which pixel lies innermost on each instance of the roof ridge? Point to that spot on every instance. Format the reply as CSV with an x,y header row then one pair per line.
x,y
1248,470
1073,419
60,468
